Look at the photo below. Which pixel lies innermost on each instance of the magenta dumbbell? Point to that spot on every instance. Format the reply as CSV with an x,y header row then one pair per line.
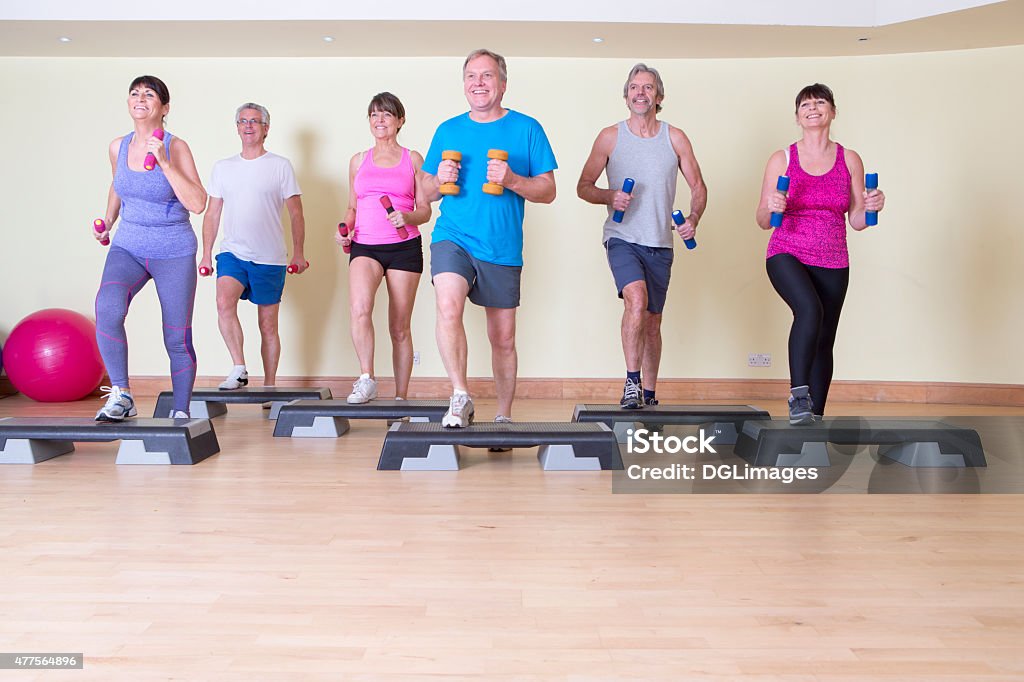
x,y
150,162
205,271
292,269
385,201
100,225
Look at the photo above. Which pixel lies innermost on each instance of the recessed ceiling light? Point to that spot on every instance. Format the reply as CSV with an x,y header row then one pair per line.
x,y
64,39
328,39
597,40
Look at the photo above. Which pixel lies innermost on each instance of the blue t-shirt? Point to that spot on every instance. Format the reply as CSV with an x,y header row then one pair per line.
x,y
488,227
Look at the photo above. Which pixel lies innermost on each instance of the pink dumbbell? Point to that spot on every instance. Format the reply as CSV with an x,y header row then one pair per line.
x,y
100,225
292,269
385,201
150,162
205,271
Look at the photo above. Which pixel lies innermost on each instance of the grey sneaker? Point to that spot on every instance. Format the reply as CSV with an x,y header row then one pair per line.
x,y
632,396
460,411
178,414
800,406
363,390
119,405
501,419
235,380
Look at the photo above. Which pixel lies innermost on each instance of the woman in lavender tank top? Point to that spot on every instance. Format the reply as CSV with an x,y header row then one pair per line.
x,y
155,187
385,245
807,259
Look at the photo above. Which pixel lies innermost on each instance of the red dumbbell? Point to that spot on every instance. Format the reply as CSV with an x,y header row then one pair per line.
x,y
385,201
343,231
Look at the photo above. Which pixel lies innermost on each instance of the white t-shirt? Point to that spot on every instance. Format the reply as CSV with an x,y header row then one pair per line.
x,y
254,190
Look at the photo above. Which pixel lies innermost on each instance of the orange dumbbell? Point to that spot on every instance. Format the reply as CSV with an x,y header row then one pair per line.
x,y
450,188
493,187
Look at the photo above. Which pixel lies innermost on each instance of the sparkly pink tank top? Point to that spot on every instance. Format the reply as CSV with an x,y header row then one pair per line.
x,y
814,225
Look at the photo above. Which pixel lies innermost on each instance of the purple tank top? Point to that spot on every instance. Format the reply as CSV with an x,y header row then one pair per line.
x,y
153,223
814,225
372,182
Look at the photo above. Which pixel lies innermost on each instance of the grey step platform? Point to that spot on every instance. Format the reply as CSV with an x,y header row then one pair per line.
x,y
726,421
329,418
913,442
212,402
30,440
563,446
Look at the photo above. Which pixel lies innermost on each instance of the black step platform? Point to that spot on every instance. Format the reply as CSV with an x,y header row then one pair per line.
x,y
329,418
912,442
564,446
29,440
211,402
726,421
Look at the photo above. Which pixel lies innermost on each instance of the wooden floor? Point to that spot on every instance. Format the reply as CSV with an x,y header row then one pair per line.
x,y
283,559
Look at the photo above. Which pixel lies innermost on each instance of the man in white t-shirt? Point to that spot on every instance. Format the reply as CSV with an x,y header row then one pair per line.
x,y
247,192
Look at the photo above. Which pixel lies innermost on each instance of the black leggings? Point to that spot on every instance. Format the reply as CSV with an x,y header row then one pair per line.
x,y
815,295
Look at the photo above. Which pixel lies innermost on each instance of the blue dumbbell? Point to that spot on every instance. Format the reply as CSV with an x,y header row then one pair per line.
x,y
783,186
678,218
870,183
627,187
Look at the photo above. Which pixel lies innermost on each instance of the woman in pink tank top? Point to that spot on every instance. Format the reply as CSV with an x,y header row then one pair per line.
x,y
807,260
386,204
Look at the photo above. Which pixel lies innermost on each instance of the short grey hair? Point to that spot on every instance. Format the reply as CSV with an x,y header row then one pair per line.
x,y
264,114
482,52
643,68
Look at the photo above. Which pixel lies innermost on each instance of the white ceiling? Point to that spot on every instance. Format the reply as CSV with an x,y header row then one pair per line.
x,y
538,28
750,12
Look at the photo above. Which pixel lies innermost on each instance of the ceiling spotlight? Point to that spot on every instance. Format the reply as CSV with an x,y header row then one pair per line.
x,y
597,40
328,39
64,39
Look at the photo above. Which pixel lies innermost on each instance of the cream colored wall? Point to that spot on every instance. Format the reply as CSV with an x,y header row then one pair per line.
x,y
934,289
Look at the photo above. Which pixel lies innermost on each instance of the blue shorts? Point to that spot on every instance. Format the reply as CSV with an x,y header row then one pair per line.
x,y
261,284
636,263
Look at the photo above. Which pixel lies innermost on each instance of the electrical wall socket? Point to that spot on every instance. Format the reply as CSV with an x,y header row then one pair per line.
x,y
759,360
415,357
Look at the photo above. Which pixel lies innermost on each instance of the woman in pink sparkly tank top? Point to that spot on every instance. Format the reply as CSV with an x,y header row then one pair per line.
x,y
808,263
386,204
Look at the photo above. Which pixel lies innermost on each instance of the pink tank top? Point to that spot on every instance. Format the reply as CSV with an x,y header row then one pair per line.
x,y
372,182
814,224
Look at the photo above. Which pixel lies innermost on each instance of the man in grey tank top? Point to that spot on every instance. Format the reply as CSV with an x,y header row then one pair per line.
x,y
638,231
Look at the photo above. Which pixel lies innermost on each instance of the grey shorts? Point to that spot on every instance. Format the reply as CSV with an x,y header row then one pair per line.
x,y
490,285
634,263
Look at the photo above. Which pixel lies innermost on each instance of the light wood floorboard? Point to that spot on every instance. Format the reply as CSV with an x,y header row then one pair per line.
x,y
283,559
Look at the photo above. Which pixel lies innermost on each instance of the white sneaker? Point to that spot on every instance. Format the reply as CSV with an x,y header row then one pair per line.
x,y
501,419
119,405
363,391
178,414
460,411
239,377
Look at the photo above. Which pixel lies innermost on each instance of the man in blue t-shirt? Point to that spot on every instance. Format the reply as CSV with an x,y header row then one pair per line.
x,y
476,250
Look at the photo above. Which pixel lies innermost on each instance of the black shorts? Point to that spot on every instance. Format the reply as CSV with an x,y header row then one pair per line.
x,y
406,256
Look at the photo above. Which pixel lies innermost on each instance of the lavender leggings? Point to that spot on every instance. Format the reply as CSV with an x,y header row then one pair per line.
x,y
124,275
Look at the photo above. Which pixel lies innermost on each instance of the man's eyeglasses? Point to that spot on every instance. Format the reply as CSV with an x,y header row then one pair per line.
x,y
246,121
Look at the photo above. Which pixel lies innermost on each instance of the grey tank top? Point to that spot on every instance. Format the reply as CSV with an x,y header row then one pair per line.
x,y
153,223
653,164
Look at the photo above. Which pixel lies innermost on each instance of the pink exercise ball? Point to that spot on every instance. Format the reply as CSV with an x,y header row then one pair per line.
x,y
51,356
